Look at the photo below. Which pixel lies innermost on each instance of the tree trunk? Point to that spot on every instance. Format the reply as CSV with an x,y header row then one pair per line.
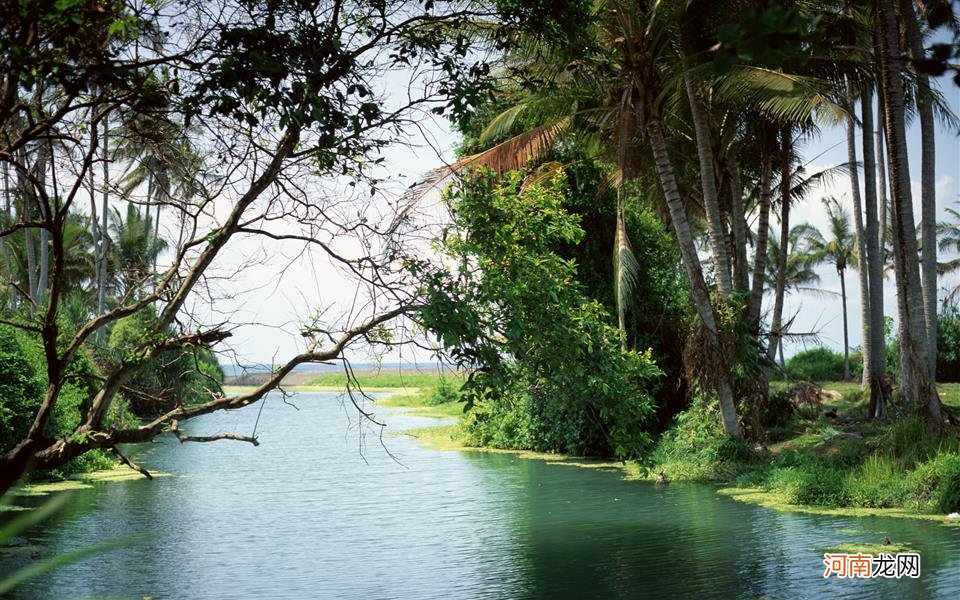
x,y
878,400
104,238
708,183
913,332
27,214
785,184
928,183
763,229
94,227
846,335
882,200
861,241
691,262
4,246
741,275
43,281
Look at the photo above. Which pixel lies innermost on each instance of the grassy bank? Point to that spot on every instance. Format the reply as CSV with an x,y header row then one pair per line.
x,y
812,462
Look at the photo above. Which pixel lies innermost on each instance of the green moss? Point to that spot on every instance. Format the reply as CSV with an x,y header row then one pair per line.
x,y
868,548
779,501
82,481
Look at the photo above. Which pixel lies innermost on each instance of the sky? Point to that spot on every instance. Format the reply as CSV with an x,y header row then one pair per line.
x,y
287,284
822,313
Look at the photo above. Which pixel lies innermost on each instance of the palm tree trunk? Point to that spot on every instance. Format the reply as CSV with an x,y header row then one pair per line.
x,y
741,276
878,400
94,227
913,332
785,183
27,214
708,184
763,229
928,192
691,262
846,335
861,241
104,239
8,219
882,200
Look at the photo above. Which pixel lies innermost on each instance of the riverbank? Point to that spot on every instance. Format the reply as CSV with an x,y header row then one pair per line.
x,y
839,464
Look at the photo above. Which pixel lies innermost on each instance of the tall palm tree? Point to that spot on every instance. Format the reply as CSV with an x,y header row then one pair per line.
x,y
840,251
916,383
928,194
156,149
800,274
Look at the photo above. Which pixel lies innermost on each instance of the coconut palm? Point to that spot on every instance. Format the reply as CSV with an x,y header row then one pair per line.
x,y
840,251
133,250
800,276
916,383
158,153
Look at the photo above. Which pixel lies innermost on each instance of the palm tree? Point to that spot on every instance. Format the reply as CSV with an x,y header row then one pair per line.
x,y
928,194
158,153
800,274
133,250
840,251
916,383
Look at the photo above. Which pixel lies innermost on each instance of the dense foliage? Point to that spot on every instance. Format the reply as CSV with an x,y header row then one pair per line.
x,y
821,364
181,376
548,371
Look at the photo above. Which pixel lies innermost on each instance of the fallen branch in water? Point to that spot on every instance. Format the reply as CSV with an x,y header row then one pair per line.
x,y
130,463
175,428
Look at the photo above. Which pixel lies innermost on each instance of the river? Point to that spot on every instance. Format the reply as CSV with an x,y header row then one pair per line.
x,y
319,511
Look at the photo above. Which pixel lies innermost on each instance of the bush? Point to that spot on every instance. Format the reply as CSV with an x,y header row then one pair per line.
x,y
547,369
877,483
948,346
696,448
935,484
816,364
180,376
443,392
21,387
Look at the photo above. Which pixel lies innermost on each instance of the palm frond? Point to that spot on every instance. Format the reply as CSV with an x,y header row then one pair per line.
x,y
781,96
510,155
501,125
626,270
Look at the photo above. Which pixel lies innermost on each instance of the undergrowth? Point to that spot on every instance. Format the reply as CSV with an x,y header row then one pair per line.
x,y
814,462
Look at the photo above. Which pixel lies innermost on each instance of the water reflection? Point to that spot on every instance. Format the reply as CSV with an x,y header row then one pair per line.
x,y
306,516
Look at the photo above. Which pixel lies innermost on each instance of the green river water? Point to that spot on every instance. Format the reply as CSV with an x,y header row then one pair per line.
x,y
320,511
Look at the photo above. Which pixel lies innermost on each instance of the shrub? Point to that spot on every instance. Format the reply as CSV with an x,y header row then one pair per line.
x,y
877,483
948,346
443,392
695,447
180,376
816,364
547,367
814,484
935,484
21,387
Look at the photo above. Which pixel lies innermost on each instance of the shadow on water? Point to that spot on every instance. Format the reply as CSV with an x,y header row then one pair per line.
x,y
305,515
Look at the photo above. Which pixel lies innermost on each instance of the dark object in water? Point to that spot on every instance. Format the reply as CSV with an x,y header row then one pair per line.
x,y
662,478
